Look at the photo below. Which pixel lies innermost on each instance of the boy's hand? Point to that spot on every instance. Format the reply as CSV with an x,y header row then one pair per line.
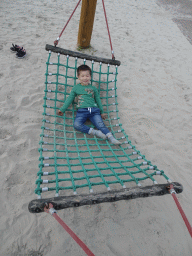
x,y
104,116
60,113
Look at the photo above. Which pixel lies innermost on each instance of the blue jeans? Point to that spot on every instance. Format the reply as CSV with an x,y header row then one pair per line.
x,y
93,114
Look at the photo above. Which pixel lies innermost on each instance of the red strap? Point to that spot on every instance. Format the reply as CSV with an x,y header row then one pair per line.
x,y
49,209
113,57
173,193
56,41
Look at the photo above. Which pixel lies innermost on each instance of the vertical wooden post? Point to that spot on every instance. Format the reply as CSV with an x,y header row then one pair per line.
x,y
86,23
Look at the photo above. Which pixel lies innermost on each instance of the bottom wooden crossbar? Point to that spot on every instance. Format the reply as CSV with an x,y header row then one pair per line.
x,y
61,202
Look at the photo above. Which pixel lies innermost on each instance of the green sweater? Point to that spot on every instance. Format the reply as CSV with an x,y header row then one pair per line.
x,y
87,97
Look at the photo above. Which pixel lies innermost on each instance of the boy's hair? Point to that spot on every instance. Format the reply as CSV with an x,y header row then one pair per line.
x,y
83,68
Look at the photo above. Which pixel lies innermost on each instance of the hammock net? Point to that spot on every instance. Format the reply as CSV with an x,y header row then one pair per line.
x,y
71,163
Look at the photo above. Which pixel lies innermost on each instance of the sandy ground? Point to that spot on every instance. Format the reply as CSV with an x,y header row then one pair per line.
x,y
154,95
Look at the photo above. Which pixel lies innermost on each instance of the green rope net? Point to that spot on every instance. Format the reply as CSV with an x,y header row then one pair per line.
x,y
72,162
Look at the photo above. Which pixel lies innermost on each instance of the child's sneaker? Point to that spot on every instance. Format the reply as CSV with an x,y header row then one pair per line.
x,y
21,53
15,48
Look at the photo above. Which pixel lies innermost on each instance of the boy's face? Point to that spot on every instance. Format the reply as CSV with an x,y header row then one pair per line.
x,y
84,77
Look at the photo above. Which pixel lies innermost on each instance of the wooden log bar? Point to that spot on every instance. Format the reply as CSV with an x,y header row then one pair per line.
x,y
81,55
62,202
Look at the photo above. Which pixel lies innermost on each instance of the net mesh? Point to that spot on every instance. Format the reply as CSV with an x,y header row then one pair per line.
x,y
71,162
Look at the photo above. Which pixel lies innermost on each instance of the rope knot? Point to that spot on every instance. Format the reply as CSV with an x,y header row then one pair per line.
x,y
56,42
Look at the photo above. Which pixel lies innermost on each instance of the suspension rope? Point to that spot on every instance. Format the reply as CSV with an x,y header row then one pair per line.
x,y
173,193
57,41
112,51
49,209
113,57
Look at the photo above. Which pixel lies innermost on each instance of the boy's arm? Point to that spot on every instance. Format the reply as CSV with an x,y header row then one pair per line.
x,y
98,100
68,101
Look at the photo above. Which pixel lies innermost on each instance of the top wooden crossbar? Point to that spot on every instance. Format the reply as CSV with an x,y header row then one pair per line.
x,y
81,55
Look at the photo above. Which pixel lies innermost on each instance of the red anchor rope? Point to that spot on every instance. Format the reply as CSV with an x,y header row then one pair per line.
x,y
173,193
49,209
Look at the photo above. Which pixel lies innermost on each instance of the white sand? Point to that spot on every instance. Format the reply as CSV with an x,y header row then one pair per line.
x,y
154,95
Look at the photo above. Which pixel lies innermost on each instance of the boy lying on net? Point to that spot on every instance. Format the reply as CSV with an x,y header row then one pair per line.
x,y
89,107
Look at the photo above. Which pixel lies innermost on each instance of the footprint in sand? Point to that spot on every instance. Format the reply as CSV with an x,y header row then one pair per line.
x,y
4,134
25,101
